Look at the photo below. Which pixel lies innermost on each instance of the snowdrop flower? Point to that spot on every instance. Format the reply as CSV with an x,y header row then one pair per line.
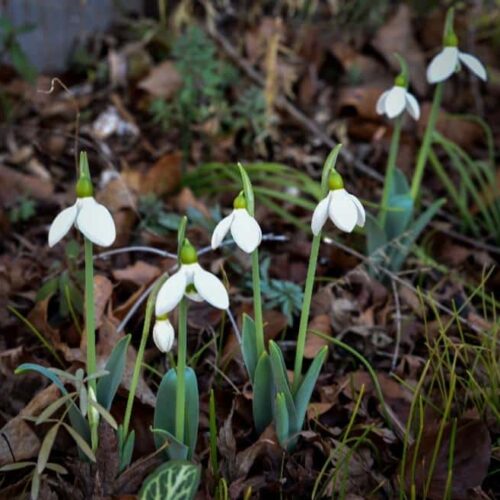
x,y
92,219
344,209
394,101
163,334
192,281
448,62
245,230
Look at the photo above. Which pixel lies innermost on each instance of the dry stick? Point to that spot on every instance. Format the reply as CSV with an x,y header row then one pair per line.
x,y
397,320
283,103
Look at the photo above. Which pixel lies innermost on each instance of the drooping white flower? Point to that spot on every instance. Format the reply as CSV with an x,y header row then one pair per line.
x,y
192,281
92,219
245,230
447,62
163,334
343,208
394,101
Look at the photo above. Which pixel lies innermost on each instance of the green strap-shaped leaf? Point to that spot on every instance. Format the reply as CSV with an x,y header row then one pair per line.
x,y
248,190
375,235
108,384
329,164
282,420
175,480
126,450
398,253
248,346
281,382
263,393
304,392
164,416
399,215
76,418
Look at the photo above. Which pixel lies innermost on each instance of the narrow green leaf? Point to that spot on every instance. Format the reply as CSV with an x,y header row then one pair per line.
x,y
263,393
176,450
181,233
56,468
108,384
397,255
281,381
52,408
212,427
175,480
282,420
247,189
329,164
399,215
82,444
305,390
126,451
248,345
192,411
16,466
46,448
104,414
375,235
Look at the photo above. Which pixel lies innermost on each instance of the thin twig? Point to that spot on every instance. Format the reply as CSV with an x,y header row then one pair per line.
x,y
397,320
77,111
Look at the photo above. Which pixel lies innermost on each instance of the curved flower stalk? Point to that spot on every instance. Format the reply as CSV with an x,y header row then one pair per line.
x,y
343,208
392,103
245,230
92,219
163,334
442,66
192,281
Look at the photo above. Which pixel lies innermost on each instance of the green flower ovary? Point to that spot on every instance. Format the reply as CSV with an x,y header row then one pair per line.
x,y
84,187
335,181
450,40
188,253
240,201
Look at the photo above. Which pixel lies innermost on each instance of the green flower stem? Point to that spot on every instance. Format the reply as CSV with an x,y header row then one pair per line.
x,y
304,316
257,304
180,394
140,355
423,153
90,329
391,166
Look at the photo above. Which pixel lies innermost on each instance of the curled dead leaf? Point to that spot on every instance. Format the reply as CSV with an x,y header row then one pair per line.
x,y
314,343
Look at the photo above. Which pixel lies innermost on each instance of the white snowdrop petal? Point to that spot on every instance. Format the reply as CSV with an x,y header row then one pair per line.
x,y
412,106
170,293
380,108
62,224
395,101
221,230
163,335
360,209
245,230
211,288
320,215
95,222
474,64
343,211
443,65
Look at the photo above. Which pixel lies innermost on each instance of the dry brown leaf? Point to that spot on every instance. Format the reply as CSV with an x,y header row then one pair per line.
x,y
103,288
164,176
186,199
472,455
163,80
360,101
140,273
320,323
14,184
397,36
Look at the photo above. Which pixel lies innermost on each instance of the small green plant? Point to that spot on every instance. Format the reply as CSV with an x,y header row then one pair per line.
x,y
205,80
154,218
249,115
23,210
285,295
11,48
